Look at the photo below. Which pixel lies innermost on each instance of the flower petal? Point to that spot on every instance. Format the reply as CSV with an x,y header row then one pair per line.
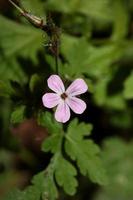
x,y
77,87
55,83
62,113
50,100
77,105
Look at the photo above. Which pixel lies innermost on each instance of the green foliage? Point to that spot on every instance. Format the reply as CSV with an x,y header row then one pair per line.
x,y
46,120
64,171
85,58
77,60
96,44
15,194
37,7
128,87
96,9
30,193
121,20
85,152
118,160
18,115
50,190
5,89
34,82
17,42
65,174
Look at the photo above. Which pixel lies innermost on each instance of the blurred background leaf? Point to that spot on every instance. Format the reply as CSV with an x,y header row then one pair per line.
x,y
118,159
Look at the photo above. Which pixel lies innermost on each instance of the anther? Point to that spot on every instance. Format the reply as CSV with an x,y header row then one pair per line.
x,y
64,96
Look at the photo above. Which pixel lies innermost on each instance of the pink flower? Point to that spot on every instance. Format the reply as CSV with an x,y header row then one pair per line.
x,y
65,99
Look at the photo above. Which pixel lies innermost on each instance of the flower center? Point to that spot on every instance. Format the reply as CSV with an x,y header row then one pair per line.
x,y
64,96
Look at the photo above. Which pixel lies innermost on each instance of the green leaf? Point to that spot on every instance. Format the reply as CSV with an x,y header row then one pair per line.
x,y
96,9
118,160
85,152
101,58
34,81
116,102
18,115
99,10
43,185
62,169
128,87
121,20
34,192
101,97
82,129
76,52
15,194
50,189
22,41
11,70
47,120
65,175
53,143
34,6
83,57
5,89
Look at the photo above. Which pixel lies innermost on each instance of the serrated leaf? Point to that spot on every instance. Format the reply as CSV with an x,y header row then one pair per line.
x,y
63,170
128,87
82,129
53,143
65,175
43,187
34,192
50,189
18,115
47,120
86,153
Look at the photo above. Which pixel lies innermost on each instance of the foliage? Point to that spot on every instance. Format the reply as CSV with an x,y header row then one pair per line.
x,y
118,160
96,45
18,115
128,87
14,43
61,169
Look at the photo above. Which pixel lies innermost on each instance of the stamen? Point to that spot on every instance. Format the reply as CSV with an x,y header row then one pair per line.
x,y
64,96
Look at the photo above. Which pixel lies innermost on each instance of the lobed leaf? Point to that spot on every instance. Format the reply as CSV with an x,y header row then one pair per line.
x,y
86,153
65,174
47,120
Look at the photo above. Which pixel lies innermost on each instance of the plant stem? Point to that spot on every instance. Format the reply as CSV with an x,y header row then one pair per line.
x,y
56,65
